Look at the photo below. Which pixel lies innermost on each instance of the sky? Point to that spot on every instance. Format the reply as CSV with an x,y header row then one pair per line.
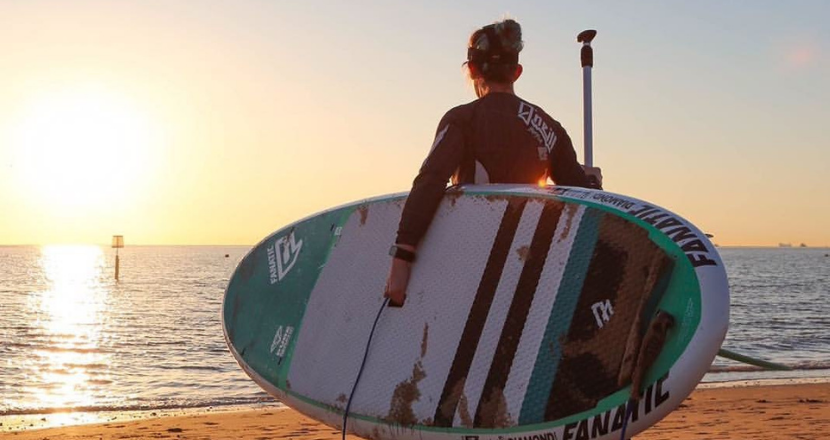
x,y
208,122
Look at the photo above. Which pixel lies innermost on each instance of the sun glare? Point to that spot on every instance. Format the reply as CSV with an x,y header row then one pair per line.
x,y
82,148
69,313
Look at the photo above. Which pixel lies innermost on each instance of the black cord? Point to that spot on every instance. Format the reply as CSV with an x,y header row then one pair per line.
x,y
362,364
628,411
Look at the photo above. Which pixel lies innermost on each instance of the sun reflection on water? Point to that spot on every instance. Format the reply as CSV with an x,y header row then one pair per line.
x,y
69,316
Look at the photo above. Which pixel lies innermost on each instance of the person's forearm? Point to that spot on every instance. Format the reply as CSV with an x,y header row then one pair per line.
x,y
419,209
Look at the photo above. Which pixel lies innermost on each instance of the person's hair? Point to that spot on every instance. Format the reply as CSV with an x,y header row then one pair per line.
x,y
494,51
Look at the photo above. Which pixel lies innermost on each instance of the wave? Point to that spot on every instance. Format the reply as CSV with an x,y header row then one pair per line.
x,y
98,366
797,366
190,367
52,349
159,406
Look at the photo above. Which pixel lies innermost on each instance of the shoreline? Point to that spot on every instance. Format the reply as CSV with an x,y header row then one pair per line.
x,y
745,410
763,382
67,419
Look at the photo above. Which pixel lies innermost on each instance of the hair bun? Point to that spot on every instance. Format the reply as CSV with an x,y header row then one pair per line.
x,y
510,34
481,43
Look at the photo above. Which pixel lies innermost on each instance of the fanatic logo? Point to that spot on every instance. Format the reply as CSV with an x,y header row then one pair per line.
x,y
282,256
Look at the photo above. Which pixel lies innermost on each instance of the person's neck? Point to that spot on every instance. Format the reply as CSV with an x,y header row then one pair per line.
x,y
488,88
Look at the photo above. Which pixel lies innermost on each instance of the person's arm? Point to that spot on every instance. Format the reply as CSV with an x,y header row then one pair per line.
x,y
430,183
565,170
422,202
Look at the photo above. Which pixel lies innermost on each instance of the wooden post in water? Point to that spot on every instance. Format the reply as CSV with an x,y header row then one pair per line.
x,y
117,243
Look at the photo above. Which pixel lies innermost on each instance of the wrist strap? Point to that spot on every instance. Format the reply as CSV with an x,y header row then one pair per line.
x,y
402,254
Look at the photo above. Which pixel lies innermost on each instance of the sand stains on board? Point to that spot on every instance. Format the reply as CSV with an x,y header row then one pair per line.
x,y
424,340
496,197
570,211
493,411
464,411
456,395
523,252
341,401
363,210
452,197
376,434
406,393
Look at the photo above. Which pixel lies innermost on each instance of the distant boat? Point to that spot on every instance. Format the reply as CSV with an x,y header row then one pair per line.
x,y
785,245
802,245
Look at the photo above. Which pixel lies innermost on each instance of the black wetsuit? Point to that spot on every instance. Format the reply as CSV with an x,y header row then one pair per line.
x,y
499,138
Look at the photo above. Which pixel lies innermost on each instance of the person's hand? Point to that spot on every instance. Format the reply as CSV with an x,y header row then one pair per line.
x,y
397,281
594,175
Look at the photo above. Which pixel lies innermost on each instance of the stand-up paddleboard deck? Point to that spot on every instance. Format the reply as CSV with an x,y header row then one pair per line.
x,y
524,314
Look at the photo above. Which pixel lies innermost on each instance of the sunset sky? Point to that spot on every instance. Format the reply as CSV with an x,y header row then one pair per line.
x,y
207,122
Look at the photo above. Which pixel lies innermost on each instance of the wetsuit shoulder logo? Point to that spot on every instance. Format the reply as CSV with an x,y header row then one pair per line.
x,y
536,125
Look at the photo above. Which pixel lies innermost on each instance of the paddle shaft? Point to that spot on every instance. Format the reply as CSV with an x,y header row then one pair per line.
x,y
587,57
724,353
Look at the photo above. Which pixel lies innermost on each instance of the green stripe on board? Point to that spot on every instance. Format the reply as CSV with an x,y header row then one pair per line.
x,y
547,360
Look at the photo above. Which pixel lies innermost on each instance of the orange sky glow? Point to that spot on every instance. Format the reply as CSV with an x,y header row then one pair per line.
x,y
218,123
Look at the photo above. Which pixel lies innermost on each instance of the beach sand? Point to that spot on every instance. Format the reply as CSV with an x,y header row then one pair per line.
x,y
757,412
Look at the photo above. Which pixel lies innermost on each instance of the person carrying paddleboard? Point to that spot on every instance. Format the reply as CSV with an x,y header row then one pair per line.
x,y
498,138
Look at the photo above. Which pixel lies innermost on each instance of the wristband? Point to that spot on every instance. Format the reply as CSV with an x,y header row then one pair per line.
x,y
402,254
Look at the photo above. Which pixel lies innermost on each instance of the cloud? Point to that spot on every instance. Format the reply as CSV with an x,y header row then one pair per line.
x,y
802,57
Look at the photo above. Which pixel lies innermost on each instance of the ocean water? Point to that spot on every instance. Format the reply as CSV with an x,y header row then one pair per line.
x,y
71,337
780,311
74,339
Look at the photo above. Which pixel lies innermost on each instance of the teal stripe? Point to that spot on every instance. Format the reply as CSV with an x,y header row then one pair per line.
x,y
550,351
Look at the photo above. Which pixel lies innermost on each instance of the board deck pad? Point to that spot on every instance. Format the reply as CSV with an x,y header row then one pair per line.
x,y
522,310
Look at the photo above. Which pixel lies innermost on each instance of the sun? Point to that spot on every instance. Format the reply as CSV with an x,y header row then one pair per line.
x,y
82,147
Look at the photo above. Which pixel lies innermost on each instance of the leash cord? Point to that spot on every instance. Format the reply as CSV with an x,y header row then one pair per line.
x,y
628,411
362,365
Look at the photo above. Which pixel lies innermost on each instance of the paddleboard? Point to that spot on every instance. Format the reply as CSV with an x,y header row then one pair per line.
x,y
525,317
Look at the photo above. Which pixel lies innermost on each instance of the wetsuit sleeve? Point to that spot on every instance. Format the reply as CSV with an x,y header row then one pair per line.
x,y
565,170
428,187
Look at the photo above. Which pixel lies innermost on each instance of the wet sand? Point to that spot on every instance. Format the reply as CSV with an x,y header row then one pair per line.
x,y
758,412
